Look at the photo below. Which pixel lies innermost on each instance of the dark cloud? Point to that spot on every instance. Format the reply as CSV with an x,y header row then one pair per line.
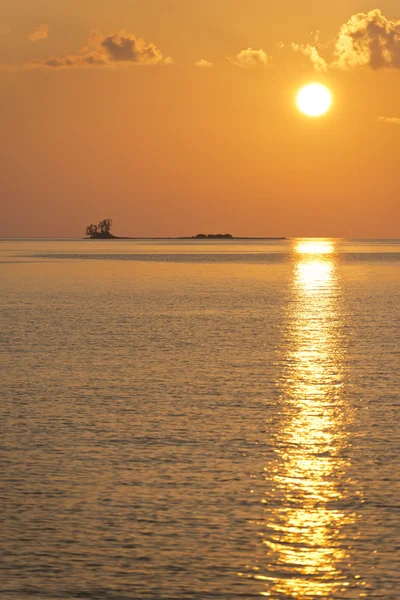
x,y
124,47
368,40
114,50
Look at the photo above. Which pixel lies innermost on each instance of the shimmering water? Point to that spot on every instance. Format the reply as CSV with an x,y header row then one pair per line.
x,y
189,420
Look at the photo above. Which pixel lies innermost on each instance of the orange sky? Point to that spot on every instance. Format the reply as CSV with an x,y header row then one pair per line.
x,y
103,113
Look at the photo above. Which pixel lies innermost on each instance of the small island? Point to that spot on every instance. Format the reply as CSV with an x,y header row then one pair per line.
x,y
213,236
102,231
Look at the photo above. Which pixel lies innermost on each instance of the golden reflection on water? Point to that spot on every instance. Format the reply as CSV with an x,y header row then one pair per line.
x,y
303,521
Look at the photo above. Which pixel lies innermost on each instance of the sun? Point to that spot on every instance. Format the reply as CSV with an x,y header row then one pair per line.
x,y
314,100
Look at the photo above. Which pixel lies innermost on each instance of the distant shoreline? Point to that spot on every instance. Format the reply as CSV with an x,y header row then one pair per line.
x,y
194,239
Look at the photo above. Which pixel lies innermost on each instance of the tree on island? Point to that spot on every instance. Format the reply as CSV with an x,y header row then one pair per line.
x,y
100,231
213,236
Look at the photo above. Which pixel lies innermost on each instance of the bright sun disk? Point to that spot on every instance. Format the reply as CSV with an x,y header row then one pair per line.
x,y
314,100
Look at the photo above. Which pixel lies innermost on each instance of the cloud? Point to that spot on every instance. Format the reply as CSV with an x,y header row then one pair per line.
x,y
70,61
40,33
365,40
125,47
249,58
319,63
368,40
203,64
116,49
389,120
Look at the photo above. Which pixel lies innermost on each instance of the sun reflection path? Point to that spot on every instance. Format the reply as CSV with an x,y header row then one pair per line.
x,y
303,520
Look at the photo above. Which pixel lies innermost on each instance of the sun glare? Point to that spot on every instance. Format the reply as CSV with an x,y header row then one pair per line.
x,y
314,100
314,247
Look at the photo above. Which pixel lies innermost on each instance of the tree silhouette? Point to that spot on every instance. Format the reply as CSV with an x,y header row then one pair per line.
x,y
100,231
91,231
105,226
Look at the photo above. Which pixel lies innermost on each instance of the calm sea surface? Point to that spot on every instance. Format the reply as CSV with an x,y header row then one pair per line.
x,y
200,420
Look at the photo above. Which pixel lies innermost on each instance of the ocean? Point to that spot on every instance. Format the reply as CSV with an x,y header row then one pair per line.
x,y
200,419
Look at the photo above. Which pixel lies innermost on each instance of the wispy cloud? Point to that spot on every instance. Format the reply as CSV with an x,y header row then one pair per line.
x,y
249,58
389,120
40,33
312,52
71,61
116,49
203,64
